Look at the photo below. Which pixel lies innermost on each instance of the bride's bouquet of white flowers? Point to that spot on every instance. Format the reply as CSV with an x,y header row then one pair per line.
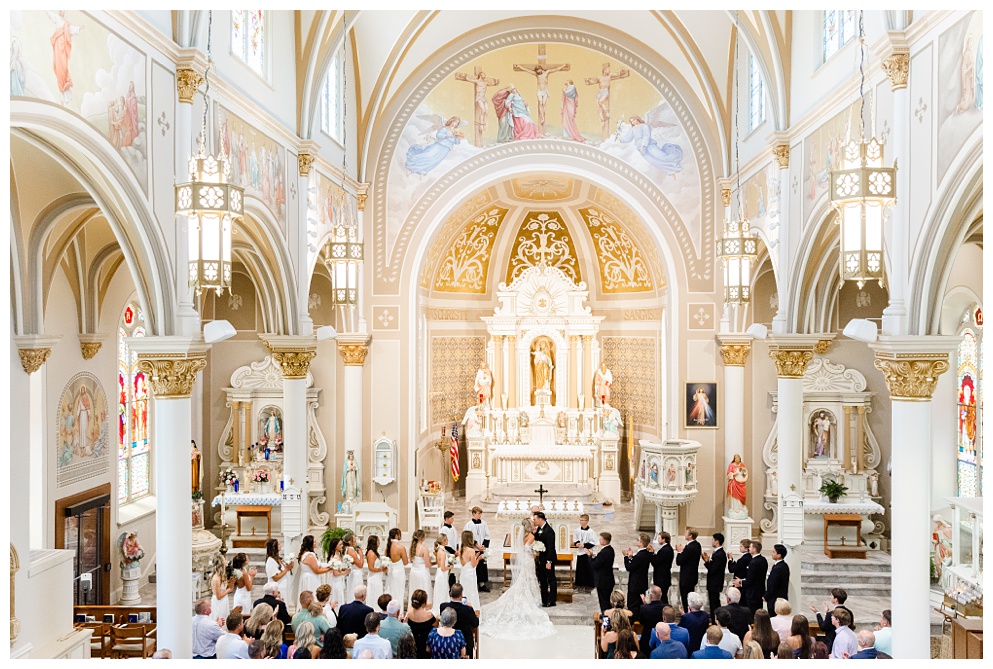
x,y
382,563
486,554
336,563
349,560
537,547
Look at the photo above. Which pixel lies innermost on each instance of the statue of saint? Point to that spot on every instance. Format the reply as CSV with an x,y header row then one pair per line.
x,y
472,424
484,384
611,419
542,366
737,475
351,480
272,429
822,435
603,378
524,419
195,460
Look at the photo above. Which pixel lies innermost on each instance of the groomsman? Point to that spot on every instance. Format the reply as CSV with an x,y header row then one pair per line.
x,y
583,538
662,564
453,542
715,564
603,570
637,562
777,586
739,567
482,535
753,585
688,559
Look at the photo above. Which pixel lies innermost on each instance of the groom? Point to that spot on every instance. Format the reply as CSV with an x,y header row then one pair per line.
x,y
544,562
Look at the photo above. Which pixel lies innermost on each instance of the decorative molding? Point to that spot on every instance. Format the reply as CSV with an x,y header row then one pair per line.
x,y
897,69
822,346
465,262
171,375
824,376
911,376
33,358
386,317
791,361
90,347
623,268
15,624
782,154
726,195
188,81
700,315
305,161
361,194
353,354
543,239
734,353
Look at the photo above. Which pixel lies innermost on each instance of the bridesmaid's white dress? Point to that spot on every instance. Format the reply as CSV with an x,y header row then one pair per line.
x,y
420,577
219,608
242,598
470,586
441,591
354,579
374,588
308,579
338,590
396,580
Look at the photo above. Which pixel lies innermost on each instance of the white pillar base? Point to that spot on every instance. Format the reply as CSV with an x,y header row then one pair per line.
x,y
736,529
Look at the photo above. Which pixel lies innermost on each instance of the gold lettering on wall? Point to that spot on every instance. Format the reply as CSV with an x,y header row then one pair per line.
x,y
654,314
446,314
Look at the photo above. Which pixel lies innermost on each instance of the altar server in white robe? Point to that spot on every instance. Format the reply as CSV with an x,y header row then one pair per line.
x,y
583,537
453,542
481,533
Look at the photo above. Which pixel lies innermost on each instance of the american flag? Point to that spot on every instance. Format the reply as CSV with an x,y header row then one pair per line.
x,y
454,451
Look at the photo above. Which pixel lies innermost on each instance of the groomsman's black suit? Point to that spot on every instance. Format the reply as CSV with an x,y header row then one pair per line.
x,y
739,567
545,565
662,569
637,566
777,585
689,570
603,575
741,619
753,587
715,578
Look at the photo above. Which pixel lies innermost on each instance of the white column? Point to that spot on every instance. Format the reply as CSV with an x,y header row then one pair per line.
x,y
189,78
944,444
897,151
353,349
783,251
734,351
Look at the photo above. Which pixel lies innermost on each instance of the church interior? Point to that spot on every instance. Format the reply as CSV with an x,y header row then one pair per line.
x,y
337,272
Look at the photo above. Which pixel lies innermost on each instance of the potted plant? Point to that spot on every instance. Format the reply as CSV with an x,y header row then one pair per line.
x,y
329,534
832,490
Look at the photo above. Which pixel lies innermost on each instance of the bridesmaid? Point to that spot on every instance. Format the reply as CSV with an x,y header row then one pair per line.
x,y
309,566
338,576
355,578
420,572
275,567
221,586
396,577
441,588
467,575
243,583
374,586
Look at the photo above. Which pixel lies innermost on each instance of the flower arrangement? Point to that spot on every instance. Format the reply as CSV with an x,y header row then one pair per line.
x,y
228,477
538,547
234,573
131,550
486,554
349,560
260,476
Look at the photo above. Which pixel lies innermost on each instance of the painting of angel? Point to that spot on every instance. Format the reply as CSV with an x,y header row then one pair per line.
x,y
442,136
668,157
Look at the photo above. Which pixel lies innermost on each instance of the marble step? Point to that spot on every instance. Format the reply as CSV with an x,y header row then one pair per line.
x,y
834,577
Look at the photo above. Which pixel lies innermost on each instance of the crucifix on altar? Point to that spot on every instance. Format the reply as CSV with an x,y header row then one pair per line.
x,y
541,70
480,82
541,495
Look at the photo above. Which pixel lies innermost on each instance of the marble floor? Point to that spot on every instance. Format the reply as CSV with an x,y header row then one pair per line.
x,y
570,642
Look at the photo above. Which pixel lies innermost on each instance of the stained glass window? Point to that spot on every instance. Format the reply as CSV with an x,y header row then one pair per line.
x,y
331,101
839,27
756,94
248,38
968,425
133,451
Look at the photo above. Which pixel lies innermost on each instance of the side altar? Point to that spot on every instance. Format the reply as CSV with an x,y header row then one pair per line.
x,y
543,412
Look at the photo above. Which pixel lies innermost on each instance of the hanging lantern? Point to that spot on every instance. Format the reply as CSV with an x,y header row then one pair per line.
x,y
211,204
737,249
342,255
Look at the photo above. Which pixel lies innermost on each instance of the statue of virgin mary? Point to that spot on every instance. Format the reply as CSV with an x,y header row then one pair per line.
x,y
351,480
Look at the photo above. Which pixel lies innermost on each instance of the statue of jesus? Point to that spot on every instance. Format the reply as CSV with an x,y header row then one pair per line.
x,y
603,378
542,367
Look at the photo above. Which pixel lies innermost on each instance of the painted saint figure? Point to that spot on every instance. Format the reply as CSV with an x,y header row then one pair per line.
x,y
422,158
61,52
603,94
351,481
195,460
701,413
480,83
737,475
524,127
822,435
570,105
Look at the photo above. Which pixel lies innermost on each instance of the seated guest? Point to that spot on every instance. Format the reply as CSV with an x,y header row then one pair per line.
x,y
206,631
272,596
650,613
261,616
377,645
676,633
627,646
392,629
838,599
383,601
667,648
783,620
421,622
695,621
466,618
845,642
272,639
712,651
615,624
311,612
884,634
819,651
800,640
617,601
752,651
323,597
446,642
256,650
406,648
867,651
164,654
729,640
304,642
741,616
232,645
334,645
784,652
351,616
763,633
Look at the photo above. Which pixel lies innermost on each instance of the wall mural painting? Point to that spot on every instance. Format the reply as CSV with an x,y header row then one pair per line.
x,y
257,162
543,238
465,262
82,430
822,153
69,59
960,80
538,91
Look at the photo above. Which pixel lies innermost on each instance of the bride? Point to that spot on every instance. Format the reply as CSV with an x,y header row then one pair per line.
x,y
517,614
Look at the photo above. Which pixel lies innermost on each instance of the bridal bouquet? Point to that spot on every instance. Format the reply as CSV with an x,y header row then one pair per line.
x,y
336,563
537,547
452,559
382,563
349,560
486,554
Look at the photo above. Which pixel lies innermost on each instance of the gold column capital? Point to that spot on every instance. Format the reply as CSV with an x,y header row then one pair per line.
x,y
574,338
498,339
587,339
897,69
726,195
735,352
188,81
171,375
791,361
353,353
33,358
89,348
361,194
782,154
305,161
911,376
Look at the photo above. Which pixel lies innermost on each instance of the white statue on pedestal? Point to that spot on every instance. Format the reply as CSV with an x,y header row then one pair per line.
x,y
822,435
472,423
484,384
737,475
611,419
351,481
603,378
542,366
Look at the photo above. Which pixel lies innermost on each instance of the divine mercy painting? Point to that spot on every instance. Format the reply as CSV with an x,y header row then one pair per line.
x,y
701,405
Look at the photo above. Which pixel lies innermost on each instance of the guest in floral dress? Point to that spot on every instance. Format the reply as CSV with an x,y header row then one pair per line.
x,y
446,642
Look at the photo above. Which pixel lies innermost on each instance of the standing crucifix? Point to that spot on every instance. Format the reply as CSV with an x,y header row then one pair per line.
x,y
541,494
481,83
603,94
541,70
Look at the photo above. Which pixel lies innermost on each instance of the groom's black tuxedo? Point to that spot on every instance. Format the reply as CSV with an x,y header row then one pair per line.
x,y
544,565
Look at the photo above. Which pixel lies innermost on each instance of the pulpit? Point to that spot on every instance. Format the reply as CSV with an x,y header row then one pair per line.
x,y
665,480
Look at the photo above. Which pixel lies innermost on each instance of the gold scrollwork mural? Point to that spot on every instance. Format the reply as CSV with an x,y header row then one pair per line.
x,y
622,267
455,222
465,262
633,225
633,361
454,362
543,238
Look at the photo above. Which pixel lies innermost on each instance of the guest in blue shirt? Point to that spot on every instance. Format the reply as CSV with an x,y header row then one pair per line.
x,y
695,621
676,633
713,651
667,649
867,641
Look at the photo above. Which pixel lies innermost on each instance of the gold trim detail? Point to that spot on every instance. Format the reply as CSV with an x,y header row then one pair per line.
x,y
171,376
782,153
912,377
360,200
15,624
305,161
188,81
294,363
89,348
791,363
33,358
897,69
353,354
726,196
734,354
822,346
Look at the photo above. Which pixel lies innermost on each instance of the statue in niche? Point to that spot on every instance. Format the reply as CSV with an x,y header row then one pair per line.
x,y
542,367
690,473
671,475
196,478
351,481
737,476
484,384
821,429
271,429
524,419
873,480
603,378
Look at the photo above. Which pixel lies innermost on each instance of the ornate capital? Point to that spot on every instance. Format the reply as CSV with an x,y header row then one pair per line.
x,y
897,69
791,362
726,196
89,348
734,353
782,153
910,376
498,340
822,346
587,339
305,161
353,354
33,358
360,198
188,81
573,339
294,363
171,376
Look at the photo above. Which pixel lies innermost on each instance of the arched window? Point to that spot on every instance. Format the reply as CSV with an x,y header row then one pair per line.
x,y
133,448
248,38
840,25
970,392
756,94
331,101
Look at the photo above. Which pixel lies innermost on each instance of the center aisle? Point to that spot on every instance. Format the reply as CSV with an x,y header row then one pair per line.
x,y
570,642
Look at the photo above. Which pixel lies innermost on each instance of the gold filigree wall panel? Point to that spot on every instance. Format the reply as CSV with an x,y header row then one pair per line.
x,y
454,362
543,237
465,262
544,187
451,227
622,266
634,362
634,227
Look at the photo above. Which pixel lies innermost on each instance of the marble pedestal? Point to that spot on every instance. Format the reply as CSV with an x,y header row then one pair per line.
x,y
736,529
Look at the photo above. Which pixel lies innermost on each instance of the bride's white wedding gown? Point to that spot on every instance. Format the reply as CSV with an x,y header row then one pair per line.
x,y
518,613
